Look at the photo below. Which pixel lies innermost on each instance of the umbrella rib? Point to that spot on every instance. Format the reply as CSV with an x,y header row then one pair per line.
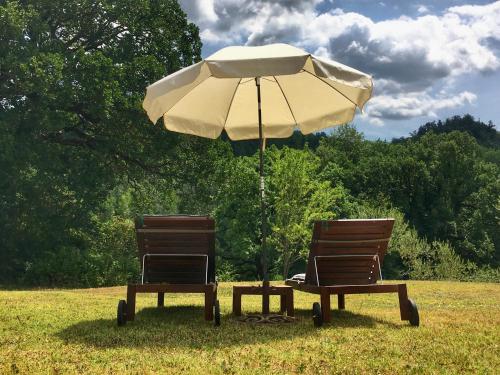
x,y
315,76
286,100
231,103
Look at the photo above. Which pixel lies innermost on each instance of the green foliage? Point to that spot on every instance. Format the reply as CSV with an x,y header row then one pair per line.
x,y
478,220
64,266
485,274
297,199
447,265
112,258
72,79
297,141
226,271
442,183
238,218
484,134
410,256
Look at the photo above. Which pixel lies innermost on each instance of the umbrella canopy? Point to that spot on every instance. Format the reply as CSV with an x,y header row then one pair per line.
x,y
299,90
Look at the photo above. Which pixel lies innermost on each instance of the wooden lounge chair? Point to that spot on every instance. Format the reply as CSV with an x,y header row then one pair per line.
x,y
345,257
177,255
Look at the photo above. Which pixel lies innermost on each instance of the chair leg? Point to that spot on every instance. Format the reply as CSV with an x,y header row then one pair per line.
x,y
341,301
325,306
404,304
209,303
161,299
131,293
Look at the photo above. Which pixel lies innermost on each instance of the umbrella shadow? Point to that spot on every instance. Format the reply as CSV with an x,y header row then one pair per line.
x,y
177,326
183,326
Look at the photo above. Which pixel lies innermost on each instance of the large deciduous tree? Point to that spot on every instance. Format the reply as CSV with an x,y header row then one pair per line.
x,y
72,79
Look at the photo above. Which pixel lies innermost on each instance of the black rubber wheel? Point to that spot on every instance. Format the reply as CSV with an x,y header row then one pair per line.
x,y
317,315
216,313
121,313
414,318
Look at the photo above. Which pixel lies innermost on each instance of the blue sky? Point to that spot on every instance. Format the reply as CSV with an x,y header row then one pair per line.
x,y
429,59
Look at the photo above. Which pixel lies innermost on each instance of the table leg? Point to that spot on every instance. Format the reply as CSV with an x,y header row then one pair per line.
x,y
236,302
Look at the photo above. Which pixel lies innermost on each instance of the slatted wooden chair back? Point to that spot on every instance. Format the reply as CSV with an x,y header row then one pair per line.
x,y
176,249
348,252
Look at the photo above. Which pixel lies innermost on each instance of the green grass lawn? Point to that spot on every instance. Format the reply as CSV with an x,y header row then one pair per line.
x,y
75,331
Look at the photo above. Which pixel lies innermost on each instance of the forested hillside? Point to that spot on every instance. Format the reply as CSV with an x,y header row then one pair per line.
x,y
79,160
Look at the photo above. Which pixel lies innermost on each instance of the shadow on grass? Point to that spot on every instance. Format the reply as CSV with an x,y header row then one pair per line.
x,y
348,319
183,326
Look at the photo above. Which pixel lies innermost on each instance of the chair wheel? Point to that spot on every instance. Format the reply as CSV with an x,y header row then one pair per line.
x,y
216,313
317,315
414,318
121,313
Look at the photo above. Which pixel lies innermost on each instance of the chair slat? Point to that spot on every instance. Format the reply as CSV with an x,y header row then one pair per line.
x,y
332,250
181,230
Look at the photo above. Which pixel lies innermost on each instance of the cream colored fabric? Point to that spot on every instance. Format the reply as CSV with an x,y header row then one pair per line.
x,y
298,90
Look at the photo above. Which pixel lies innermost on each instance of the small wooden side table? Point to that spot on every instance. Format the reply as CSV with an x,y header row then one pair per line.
x,y
284,291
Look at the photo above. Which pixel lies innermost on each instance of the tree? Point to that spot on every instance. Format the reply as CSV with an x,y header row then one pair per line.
x,y
446,184
297,199
238,219
72,79
484,134
478,222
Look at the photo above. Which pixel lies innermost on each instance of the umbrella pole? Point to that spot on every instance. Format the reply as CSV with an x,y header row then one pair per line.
x,y
265,294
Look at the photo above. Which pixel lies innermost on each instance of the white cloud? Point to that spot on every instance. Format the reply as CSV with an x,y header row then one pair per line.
x,y
375,121
414,61
250,21
422,9
415,105
416,51
481,11
202,11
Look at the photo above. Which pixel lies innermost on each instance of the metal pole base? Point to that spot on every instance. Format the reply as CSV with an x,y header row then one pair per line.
x,y
266,319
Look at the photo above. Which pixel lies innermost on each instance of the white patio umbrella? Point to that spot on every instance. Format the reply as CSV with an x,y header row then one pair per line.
x,y
258,93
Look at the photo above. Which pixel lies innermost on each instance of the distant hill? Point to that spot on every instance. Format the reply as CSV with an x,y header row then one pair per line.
x,y
485,134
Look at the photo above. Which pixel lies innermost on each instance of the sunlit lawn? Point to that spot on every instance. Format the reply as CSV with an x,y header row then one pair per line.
x,y
68,331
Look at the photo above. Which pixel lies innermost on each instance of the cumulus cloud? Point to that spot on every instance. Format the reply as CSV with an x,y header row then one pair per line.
x,y
415,105
414,51
409,58
201,10
250,22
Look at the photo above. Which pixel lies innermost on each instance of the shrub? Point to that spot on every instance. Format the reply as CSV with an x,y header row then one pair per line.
x,y
410,256
112,258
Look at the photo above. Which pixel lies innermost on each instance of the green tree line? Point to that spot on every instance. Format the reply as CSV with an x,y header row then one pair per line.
x,y
79,160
